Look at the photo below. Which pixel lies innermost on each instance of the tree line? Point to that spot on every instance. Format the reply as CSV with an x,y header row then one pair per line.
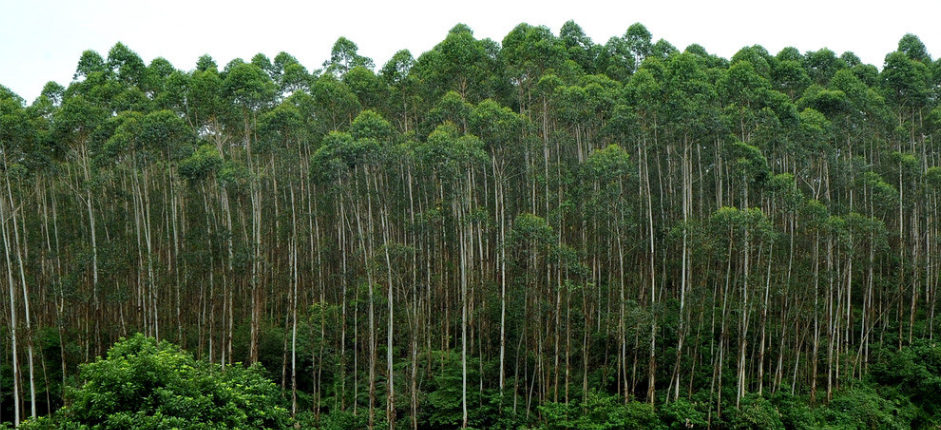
x,y
484,234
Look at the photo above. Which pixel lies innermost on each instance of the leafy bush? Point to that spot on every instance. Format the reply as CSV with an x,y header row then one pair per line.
x,y
794,410
599,412
682,413
755,412
143,384
860,407
913,375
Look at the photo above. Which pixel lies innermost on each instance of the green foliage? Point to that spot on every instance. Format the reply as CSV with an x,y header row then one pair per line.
x,y
344,56
599,412
339,153
203,163
333,102
912,375
682,414
449,153
609,164
371,125
89,63
748,163
248,85
442,407
125,64
608,209
755,413
144,384
861,407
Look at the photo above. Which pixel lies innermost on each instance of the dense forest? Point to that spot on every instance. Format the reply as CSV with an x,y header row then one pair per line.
x,y
541,232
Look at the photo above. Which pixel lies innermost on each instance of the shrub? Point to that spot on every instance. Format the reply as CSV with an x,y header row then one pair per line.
x,y
145,384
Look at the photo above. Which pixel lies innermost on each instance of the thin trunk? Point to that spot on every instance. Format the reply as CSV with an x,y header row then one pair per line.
x,y
7,248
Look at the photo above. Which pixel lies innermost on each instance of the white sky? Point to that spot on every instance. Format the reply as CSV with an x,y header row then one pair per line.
x,y
42,40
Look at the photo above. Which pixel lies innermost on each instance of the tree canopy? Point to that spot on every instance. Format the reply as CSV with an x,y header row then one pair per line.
x,y
543,231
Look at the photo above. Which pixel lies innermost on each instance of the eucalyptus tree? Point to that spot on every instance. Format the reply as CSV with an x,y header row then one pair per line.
x,y
371,129
663,49
344,56
74,124
205,107
815,215
455,159
788,74
531,241
262,61
451,108
585,108
251,89
294,78
199,170
933,181
126,150
904,167
89,63
210,115
43,156
281,135
499,128
280,62
638,40
16,137
369,88
906,85
163,82
579,47
166,135
749,170
126,65
821,65
332,162
783,199
528,53
644,93
691,108
459,63
744,88
397,74
610,171
335,105
742,229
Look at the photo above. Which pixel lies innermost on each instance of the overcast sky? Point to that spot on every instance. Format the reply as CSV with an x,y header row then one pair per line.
x,y
42,40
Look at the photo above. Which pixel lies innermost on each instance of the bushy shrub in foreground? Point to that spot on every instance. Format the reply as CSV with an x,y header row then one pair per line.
x,y
145,384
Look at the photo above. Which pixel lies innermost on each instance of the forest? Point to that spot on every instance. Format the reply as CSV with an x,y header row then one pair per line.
x,y
542,232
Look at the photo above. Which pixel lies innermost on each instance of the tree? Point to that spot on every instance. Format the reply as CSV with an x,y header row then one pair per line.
x,y
397,74
335,105
579,47
638,41
528,53
459,63
126,65
89,63
344,57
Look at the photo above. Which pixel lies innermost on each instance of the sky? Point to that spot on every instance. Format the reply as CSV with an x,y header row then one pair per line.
x,y
42,40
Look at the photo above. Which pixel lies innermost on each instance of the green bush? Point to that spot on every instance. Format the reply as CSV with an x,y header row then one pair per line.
x,y
599,412
680,414
143,384
912,375
794,410
860,407
755,412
